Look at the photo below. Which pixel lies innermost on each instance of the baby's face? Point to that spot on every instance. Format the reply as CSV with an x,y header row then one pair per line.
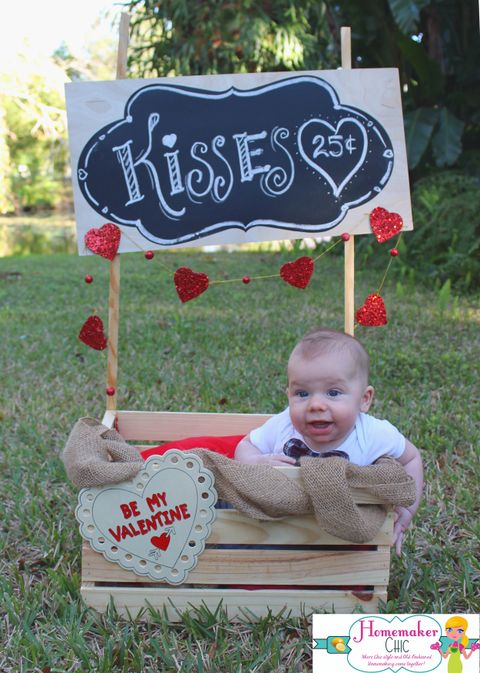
x,y
325,395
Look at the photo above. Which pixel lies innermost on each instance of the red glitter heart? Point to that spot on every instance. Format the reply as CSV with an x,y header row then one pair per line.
x,y
104,241
92,333
189,284
373,312
385,224
298,273
161,542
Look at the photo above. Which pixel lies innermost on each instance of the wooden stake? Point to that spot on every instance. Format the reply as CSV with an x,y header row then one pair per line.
x,y
114,290
349,262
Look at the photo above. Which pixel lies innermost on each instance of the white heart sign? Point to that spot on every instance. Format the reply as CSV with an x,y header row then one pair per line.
x,y
336,153
156,523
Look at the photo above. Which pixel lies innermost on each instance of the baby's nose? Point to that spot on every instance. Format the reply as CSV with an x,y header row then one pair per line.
x,y
318,401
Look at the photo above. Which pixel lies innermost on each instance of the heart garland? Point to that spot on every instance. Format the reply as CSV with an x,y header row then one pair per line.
x,y
189,284
298,273
373,312
104,241
92,333
385,224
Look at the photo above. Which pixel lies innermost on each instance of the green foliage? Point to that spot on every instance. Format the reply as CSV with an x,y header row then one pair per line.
x,y
186,37
445,243
447,141
419,125
407,13
435,45
35,122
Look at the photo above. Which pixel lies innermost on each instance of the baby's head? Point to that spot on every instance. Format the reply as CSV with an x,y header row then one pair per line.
x,y
346,349
327,387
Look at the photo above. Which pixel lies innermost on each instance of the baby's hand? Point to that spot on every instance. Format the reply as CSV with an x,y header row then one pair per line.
x,y
403,517
278,459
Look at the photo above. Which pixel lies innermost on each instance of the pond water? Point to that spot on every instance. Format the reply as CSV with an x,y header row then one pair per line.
x,y
33,235
50,234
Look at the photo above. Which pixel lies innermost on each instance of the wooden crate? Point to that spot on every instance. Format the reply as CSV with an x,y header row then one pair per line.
x,y
315,571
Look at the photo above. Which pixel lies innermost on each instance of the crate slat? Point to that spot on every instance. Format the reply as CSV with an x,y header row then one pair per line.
x,y
233,527
243,566
236,602
152,426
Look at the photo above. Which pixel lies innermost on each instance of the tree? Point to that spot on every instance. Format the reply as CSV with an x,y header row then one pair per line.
x,y
435,45
34,162
192,37
35,122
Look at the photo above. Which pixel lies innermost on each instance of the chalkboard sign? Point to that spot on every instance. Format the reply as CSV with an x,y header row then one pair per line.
x,y
181,163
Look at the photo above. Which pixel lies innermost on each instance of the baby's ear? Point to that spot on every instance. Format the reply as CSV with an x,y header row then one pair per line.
x,y
367,399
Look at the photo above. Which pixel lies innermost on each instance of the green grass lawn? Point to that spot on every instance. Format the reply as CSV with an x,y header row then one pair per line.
x,y
225,351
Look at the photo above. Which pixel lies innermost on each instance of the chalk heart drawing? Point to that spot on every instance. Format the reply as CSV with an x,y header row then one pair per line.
x,y
155,524
169,140
337,153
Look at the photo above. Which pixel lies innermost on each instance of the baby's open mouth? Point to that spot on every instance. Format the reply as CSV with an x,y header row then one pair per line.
x,y
320,424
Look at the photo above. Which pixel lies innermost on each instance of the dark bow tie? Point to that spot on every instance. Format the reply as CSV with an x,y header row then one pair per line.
x,y
295,448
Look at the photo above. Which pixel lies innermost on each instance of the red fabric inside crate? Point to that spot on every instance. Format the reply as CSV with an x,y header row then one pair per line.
x,y
224,445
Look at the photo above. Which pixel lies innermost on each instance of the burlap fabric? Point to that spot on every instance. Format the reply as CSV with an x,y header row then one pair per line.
x,y
95,455
260,491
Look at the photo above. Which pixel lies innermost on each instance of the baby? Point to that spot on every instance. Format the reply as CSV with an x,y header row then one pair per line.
x,y
328,400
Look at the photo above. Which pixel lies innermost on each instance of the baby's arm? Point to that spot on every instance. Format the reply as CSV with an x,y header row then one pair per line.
x,y
412,463
246,452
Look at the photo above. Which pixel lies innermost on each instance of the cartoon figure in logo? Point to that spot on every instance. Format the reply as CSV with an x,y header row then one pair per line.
x,y
456,630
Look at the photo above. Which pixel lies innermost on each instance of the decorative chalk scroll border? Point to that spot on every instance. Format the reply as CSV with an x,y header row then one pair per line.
x,y
303,167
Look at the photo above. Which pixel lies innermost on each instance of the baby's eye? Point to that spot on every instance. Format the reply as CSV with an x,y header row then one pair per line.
x,y
334,392
301,393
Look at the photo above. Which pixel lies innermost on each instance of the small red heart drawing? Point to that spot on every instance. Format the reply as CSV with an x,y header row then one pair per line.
x,y
92,333
161,542
373,312
298,273
104,241
385,224
189,284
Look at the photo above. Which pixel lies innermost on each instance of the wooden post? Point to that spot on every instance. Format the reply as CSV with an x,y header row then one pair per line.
x,y
114,289
349,261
